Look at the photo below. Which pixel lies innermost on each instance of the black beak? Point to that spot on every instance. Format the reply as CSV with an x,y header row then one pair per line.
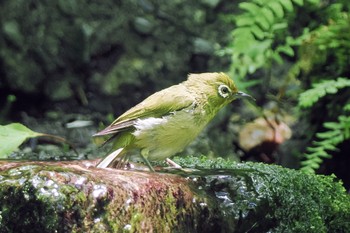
x,y
241,94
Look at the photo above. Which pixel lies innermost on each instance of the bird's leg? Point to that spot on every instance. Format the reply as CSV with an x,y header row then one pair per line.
x,y
143,155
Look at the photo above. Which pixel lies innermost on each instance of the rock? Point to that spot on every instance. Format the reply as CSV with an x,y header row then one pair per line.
x,y
262,137
76,196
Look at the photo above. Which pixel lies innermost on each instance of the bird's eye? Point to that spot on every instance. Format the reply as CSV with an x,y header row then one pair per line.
x,y
224,91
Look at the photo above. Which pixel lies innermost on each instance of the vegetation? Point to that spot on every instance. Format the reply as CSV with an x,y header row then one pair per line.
x,y
275,33
292,201
15,134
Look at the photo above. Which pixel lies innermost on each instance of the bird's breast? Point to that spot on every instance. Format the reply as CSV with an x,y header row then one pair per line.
x,y
165,136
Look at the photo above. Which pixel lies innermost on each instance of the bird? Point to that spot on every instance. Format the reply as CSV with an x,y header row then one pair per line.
x,y
164,123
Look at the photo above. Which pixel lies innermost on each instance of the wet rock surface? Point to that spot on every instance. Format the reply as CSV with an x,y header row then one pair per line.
x,y
76,197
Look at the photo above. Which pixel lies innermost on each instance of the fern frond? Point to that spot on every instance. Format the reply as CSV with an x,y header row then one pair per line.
x,y
337,133
257,27
319,90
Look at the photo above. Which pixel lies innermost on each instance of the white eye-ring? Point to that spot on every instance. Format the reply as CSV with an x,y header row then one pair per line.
x,y
224,91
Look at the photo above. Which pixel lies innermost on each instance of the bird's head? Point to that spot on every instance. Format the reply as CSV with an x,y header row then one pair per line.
x,y
218,88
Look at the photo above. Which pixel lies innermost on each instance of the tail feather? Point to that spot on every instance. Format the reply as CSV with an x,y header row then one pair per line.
x,y
109,159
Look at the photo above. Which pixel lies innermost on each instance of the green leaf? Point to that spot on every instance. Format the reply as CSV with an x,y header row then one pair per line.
x,y
286,50
331,90
346,107
316,160
327,134
314,165
323,154
242,32
279,26
258,32
307,170
250,7
309,97
12,136
277,58
268,15
262,21
332,125
314,1
287,4
299,2
330,147
312,150
244,20
276,8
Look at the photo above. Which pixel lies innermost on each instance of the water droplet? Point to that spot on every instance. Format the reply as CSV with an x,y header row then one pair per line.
x,y
127,227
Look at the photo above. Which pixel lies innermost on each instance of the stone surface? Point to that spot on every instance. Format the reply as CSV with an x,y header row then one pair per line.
x,y
77,197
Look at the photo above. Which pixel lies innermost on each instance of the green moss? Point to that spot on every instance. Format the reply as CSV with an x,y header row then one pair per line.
x,y
136,222
169,215
155,212
37,199
32,210
272,198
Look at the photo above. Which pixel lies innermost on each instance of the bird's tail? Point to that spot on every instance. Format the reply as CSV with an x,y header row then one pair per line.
x,y
109,159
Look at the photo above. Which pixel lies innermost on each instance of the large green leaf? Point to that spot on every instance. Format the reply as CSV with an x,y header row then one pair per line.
x,y
12,136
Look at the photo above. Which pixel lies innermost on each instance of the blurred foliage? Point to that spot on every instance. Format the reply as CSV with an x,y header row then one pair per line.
x,y
65,49
308,44
6,107
92,57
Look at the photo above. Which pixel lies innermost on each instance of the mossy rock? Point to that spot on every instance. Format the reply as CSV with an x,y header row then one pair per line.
x,y
228,197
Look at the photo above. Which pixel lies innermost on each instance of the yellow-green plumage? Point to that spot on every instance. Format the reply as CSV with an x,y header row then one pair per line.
x,y
167,121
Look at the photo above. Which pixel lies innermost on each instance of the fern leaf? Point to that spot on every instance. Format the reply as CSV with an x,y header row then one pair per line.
x,y
245,21
250,7
299,2
268,15
319,90
262,21
312,164
314,2
276,8
337,133
332,125
327,134
347,107
279,26
258,26
257,32
287,4
286,49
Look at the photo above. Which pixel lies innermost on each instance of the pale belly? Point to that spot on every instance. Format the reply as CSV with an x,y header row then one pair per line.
x,y
160,138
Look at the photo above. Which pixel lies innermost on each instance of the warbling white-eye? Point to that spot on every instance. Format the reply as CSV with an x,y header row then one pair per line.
x,y
167,121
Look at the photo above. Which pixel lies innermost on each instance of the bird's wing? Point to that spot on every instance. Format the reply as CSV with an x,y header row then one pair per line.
x,y
115,128
159,104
